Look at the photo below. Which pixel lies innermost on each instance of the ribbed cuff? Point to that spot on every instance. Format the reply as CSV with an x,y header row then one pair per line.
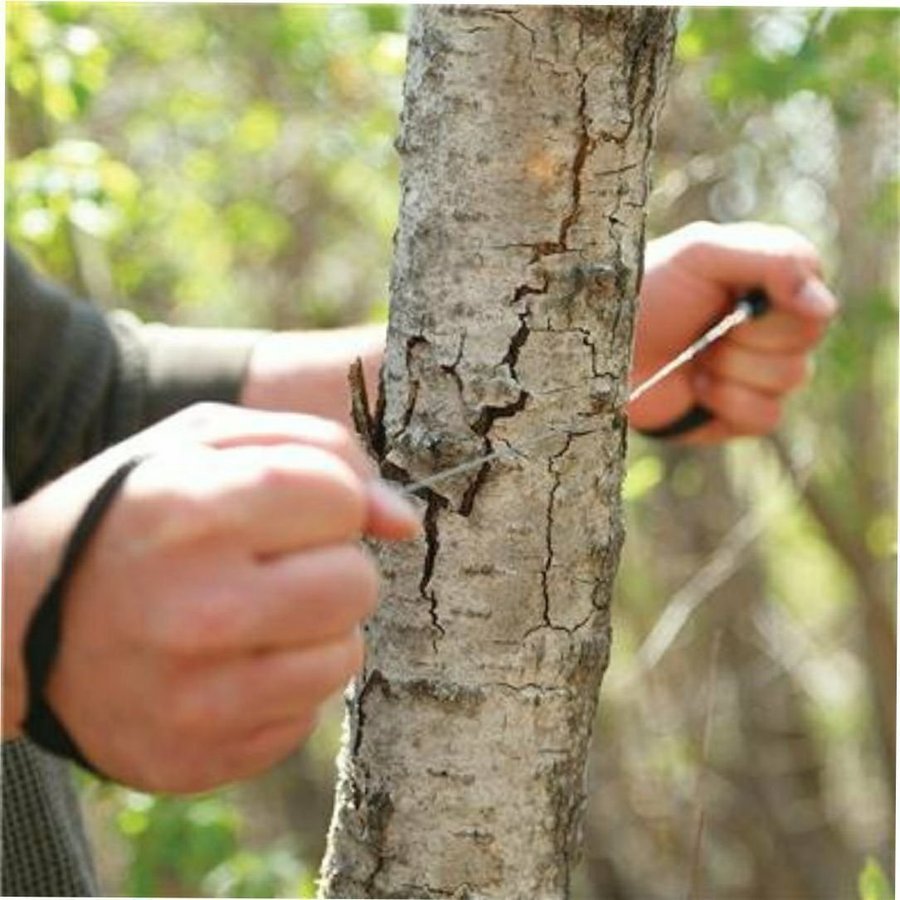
x,y
182,366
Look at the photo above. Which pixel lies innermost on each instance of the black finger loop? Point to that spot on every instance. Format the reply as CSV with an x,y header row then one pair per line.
x,y
695,417
757,300
42,724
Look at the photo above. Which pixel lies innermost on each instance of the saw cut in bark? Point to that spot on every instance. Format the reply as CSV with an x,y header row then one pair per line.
x,y
525,139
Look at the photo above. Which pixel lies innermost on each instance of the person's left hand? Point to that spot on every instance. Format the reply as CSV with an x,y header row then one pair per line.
x,y
692,277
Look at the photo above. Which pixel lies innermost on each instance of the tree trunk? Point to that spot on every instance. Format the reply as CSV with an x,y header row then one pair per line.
x,y
525,140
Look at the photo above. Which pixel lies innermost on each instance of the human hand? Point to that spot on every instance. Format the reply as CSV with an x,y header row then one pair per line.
x,y
692,277
219,601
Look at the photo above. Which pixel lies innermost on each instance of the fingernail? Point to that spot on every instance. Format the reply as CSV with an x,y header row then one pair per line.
x,y
393,506
816,299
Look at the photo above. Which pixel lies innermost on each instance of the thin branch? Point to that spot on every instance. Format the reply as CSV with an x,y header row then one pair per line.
x,y
693,886
727,559
879,625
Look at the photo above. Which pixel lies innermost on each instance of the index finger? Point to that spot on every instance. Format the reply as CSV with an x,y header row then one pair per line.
x,y
389,516
223,426
786,265
258,500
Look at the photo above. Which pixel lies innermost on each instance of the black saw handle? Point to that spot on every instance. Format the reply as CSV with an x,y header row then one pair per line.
x,y
757,302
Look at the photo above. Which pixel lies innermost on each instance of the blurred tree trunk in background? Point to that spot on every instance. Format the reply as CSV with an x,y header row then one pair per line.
x,y
868,267
525,139
780,819
767,831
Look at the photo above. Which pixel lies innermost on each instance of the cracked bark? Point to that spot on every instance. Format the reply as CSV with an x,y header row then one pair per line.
x,y
525,140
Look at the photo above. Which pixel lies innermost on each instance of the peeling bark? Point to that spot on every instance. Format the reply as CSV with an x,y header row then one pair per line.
x,y
525,140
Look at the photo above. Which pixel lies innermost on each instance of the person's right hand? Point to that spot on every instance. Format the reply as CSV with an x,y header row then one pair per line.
x,y
692,278
220,600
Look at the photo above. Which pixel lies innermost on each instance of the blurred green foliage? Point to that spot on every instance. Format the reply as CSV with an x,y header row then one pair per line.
x,y
233,165
873,883
211,164
180,845
766,57
788,116
175,841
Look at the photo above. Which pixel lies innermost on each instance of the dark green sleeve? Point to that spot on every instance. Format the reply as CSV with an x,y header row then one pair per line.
x,y
76,381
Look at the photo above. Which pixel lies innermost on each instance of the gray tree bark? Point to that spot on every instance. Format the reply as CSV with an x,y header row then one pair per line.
x,y
525,140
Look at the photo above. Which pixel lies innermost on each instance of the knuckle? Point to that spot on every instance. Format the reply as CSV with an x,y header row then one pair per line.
x,y
166,513
804,251
805,256
204,623
199,416
332,437
697,238
277,474
348,447
699,231
208,619
297,473
790,261
782,236
785,242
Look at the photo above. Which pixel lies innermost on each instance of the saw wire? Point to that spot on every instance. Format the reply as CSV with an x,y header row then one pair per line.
x,y
745,309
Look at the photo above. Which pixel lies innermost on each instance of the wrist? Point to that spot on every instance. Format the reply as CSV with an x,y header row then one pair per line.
x,y
306,372
15,611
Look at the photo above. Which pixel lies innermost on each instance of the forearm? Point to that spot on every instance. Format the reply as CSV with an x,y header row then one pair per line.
x,y
77,381
306,372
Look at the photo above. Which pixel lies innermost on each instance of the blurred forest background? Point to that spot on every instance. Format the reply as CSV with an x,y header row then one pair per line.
x,y
233,165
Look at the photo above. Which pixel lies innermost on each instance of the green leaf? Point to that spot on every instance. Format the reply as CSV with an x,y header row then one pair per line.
x,y
643,475
873,883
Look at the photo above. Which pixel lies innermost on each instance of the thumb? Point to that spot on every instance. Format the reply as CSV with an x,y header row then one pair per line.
x,y
390,516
